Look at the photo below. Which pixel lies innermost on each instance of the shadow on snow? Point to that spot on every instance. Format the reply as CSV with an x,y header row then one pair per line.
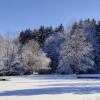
x,y
52,91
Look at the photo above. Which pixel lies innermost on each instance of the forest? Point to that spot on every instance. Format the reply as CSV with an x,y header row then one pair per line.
x,y
48,50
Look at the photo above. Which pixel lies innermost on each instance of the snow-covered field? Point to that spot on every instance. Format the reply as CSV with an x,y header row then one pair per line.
x,y
49,87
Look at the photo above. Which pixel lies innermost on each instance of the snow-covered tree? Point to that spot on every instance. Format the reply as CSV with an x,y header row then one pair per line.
x,y
2,52
76,53
90,28
51,47
32,56
7,53
97,53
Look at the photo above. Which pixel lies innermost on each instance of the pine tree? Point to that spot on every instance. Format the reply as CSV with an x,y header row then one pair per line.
x,y
60,29
25,36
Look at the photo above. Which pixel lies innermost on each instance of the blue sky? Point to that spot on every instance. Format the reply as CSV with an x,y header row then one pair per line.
x,y
17,15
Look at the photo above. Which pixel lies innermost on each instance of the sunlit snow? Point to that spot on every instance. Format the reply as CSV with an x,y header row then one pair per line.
x,y
49,87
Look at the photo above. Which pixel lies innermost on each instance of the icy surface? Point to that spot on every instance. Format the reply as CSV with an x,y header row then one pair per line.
x,y
49,87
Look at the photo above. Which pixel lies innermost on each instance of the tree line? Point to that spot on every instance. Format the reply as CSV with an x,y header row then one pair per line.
x,y
53,50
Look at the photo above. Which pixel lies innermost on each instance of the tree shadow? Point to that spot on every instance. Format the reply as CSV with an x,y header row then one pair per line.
x,y
52,90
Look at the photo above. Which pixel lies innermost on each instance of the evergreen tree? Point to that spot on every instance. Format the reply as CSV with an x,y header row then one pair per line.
x,y
60,29
25,36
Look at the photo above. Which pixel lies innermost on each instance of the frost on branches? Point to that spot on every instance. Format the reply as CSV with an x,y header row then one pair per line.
x,y
76,53
51,47
32,56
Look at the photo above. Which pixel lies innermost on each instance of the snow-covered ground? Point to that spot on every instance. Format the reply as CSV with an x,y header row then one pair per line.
x,y
49,87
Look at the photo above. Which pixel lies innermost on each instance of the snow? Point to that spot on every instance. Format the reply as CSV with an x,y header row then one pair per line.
x,y
49,87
